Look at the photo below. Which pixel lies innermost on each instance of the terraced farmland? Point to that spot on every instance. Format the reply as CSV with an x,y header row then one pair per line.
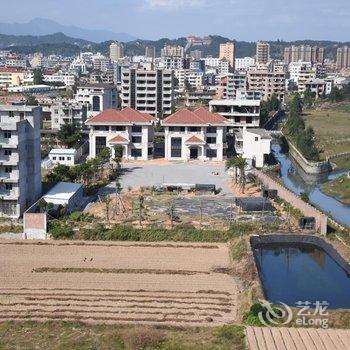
x,y
101,282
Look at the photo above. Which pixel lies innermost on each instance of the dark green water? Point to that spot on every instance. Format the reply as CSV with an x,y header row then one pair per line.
x,y
302,272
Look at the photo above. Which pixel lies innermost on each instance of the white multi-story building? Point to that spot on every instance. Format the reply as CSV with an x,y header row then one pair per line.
x,y
67,112
295,68
148,91
195,135
64,78
128,129
173,62
242,64
194,78
229,84
97,97
224,67
20,158
254,145
239,113
172,51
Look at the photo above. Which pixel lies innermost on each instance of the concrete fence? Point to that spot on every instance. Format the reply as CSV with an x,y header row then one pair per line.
x,y
307,209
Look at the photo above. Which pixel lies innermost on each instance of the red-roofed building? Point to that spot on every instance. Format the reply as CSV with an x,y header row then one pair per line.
x,y
129,129
197,134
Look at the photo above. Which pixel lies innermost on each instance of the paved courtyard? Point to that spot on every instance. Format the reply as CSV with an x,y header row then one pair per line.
x,y
155,174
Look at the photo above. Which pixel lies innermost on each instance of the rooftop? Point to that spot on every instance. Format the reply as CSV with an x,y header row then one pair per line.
x,y
125,116
70,151
62,191
231,102
200,116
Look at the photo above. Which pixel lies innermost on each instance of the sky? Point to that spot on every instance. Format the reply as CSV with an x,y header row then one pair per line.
x,y
248,20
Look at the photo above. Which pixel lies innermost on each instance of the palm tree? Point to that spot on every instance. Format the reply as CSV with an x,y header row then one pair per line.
x,y
231,163
238,163
241,164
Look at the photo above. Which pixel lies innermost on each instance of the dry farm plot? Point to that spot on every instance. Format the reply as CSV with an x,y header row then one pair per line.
x,y
99,282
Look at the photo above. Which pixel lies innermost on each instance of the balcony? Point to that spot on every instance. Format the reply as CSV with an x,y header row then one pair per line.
x,y
9,194
9,160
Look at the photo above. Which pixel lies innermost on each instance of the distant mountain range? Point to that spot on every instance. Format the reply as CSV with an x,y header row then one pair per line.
x,y
61,44
42,26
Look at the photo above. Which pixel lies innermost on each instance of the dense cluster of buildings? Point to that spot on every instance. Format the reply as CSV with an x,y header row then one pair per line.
x,y
207,106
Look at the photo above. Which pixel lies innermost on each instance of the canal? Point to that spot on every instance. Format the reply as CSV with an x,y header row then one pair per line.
x,y
295,179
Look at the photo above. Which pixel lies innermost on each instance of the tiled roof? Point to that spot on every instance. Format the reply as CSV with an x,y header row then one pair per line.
x,y
119,139
125,116
195,140
199,116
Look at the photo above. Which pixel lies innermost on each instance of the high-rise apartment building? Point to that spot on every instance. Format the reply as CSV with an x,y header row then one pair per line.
x,y
172,51
20,159
304,53
262,52
343,57
150,52
116,51
227,51
148,91
267,82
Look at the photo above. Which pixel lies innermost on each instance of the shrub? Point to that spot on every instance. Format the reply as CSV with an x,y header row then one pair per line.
x,y
143,338
60,231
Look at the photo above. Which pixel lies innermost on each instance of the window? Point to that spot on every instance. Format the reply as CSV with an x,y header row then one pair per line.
x,y
136,128
8,169
249,120
211,130
101,128
69,158
11,114
211,139
100,144
56,111
136,139
237,119
136,152
8,187
176,145
96,104
61,158
8,152
177,128
7,134
211,153
194,129
54,158
256,138
118,128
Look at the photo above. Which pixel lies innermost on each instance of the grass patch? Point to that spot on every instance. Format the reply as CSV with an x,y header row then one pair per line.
x,y
332,129
338,188
180,233
239,249
342,162
59,335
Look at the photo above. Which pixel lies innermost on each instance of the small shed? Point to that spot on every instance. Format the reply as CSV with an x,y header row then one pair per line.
x,y
64,156
67,194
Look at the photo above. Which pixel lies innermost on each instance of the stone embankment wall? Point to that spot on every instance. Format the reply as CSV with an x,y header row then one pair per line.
x,y
309,167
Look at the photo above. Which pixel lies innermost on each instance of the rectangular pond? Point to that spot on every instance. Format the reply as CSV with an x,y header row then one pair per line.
x,y
292,272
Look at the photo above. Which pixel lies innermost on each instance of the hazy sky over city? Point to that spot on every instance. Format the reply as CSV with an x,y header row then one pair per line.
x,y
152,19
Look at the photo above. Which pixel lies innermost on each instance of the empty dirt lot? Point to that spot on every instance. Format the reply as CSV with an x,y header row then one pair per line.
x,y
165,283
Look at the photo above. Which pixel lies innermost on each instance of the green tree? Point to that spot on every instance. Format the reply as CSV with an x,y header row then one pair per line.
x,y
70,135
38,77
31,101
